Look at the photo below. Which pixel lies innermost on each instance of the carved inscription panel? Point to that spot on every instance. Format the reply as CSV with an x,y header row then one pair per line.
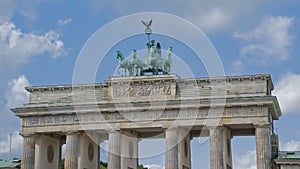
x,y
135,89
141,90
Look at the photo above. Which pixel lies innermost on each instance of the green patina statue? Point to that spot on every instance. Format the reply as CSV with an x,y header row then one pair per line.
x,y
168,60
154,63
125,64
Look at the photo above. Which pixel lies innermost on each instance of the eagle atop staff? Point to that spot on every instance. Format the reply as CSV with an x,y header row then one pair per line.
x,y
147,24
148,31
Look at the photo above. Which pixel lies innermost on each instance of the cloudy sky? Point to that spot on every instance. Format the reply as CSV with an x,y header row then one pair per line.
x,y
40,42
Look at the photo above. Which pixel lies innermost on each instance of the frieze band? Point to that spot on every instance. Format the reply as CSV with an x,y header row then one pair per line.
x,y
141,90
133,116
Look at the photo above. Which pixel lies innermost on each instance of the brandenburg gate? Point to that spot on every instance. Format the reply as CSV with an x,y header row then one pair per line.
x,y
123,110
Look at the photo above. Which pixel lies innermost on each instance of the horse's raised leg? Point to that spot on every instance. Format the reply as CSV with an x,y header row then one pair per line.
x,y
118,70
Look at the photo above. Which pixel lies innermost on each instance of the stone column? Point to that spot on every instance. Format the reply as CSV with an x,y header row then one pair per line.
x,y
71,158
227,152
60,153
129,149
263,147
114,150
171,161
28,154
184,149
88,150
216,147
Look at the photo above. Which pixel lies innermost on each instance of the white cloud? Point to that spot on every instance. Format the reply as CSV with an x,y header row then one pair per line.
x,y
96,5
25,8
245,161
271,40
18,47
214,19
237,67
208,15
290,146
4,146
154,166
288,93
16,145
17,94
64,22
6,9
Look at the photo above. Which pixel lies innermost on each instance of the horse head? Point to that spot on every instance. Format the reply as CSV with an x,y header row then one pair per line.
x,y
169,52
119,55
133,54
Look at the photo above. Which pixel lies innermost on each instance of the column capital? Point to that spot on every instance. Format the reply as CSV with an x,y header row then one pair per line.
x,y
262,125
130,133
72,133
215,127
139,139
102,138
112,127
27,134
170,128
114,131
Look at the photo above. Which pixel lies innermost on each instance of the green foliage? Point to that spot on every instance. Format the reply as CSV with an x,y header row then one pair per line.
x,y
103,165
62,164
141,167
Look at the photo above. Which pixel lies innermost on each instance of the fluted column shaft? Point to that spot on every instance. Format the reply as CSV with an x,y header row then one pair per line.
x,y
171,149
28,153
114,150
60,154
216,148
263,146
71,158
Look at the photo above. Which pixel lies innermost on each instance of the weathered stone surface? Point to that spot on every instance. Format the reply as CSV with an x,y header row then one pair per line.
x,y
47,152
152,106
114,150
172,140
88,152
216,148
147,87
263,146
28,153
71,159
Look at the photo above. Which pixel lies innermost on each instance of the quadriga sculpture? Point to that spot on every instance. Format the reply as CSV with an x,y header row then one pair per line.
x,y
154,63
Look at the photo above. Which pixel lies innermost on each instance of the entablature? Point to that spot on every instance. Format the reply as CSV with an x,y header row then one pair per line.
x,y
151,88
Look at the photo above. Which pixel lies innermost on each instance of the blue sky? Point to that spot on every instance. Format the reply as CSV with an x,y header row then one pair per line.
x,y
40,42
